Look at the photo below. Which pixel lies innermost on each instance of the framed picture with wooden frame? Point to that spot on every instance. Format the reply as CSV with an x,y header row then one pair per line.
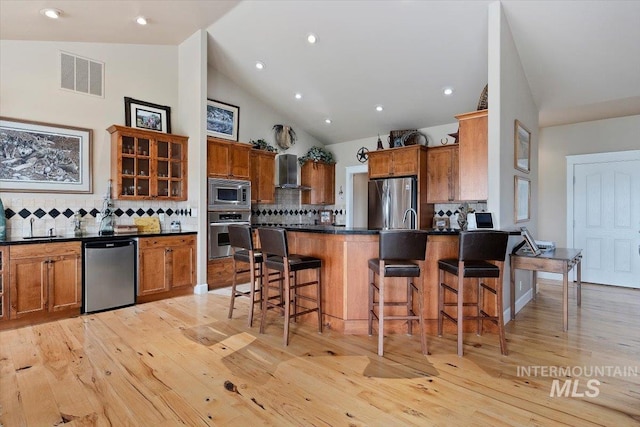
x,y
522,148
326,217
522,199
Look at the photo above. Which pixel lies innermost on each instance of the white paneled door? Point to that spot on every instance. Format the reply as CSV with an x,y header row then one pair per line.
x,y
606,215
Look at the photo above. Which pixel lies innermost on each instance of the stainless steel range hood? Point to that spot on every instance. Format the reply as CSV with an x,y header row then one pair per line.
x,y
288,172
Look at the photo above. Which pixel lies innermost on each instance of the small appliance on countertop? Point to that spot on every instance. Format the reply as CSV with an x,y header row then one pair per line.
x,y
175,226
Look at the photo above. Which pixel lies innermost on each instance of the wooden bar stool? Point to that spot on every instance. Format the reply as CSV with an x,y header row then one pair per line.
x,y
275,249
398,251
241,240
475,251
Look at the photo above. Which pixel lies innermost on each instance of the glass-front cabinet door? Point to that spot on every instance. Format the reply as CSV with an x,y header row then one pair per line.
x,y
147,164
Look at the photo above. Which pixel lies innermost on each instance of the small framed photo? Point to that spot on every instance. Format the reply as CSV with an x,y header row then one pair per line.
x,y
44,157
326,217
144,115
222,120
522,153
522,199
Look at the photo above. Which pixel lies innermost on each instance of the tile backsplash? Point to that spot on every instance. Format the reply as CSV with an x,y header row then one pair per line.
x,y
288,210
58,214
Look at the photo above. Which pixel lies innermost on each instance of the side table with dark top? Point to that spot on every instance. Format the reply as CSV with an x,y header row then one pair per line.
x,y
558,260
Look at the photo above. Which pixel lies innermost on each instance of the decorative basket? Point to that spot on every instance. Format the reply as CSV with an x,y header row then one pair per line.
x,y
395,137
483,102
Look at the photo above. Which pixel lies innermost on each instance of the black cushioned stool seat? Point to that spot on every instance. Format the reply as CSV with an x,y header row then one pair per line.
x,y
398,252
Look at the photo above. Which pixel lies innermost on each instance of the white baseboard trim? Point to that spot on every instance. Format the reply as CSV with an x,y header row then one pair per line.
x,y
200,289
520,303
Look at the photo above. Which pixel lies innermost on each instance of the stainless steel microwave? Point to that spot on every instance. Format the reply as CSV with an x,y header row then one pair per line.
x,y
226,194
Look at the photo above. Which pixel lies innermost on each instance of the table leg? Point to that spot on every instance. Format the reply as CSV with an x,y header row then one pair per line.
x,y
534,284
579,277
460,313
512,293
565,297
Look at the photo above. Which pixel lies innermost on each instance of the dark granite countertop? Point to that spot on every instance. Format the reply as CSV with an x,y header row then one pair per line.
x,y
340,229
87,237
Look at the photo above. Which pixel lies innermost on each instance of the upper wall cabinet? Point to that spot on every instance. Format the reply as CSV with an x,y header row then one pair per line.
x,y
473,155
148,164
442,174
396,162
321,178
226,159
263,168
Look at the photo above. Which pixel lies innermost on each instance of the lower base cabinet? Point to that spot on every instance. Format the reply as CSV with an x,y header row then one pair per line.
x,y
45,278
166,264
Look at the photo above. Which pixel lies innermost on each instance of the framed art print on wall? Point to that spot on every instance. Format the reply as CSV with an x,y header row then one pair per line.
x,y
222,120
145,115
522,148
522,199
44,157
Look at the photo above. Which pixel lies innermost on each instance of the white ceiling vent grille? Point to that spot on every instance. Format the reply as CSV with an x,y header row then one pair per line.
x,y
82,75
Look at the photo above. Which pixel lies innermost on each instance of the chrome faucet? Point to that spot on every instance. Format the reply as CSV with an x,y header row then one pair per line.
x,y
404,220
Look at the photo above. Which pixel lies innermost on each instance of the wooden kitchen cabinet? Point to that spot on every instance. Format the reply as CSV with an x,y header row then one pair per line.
x,y
321,178
166,264
473,155
4,282
442,174
45,278
226,159
396,162
148,165
263,167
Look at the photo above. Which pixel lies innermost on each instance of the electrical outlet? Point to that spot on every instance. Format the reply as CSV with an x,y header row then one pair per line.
x,y
161,216
520,285
98,218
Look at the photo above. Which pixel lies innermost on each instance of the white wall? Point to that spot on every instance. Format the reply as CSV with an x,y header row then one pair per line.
x,y
509,99
29,90
192,66
256,118
556,142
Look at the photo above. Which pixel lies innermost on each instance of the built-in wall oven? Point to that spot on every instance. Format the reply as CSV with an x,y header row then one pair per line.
x,y
229,194
219,222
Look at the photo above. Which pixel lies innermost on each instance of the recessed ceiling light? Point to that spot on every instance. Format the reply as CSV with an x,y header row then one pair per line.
x,y
447,91
312,38
379,108
327,121
298,95
141,20
260,65
51,13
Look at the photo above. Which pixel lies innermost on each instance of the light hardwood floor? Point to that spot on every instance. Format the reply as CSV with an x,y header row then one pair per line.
x,y
181,362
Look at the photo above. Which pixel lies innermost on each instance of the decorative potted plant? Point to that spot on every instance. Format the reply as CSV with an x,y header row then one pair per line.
x,y
261,144
285,136
317,154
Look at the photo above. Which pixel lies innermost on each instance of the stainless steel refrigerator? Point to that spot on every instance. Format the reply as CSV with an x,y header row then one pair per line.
x,y
391,201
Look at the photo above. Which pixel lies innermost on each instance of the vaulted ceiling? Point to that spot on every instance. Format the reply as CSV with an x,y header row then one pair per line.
x,y
581,58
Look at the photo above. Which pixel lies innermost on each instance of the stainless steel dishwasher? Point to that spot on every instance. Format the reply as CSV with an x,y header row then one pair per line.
x,y
109,274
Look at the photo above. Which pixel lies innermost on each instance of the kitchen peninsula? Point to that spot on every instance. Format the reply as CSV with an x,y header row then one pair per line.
x,y
345,253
